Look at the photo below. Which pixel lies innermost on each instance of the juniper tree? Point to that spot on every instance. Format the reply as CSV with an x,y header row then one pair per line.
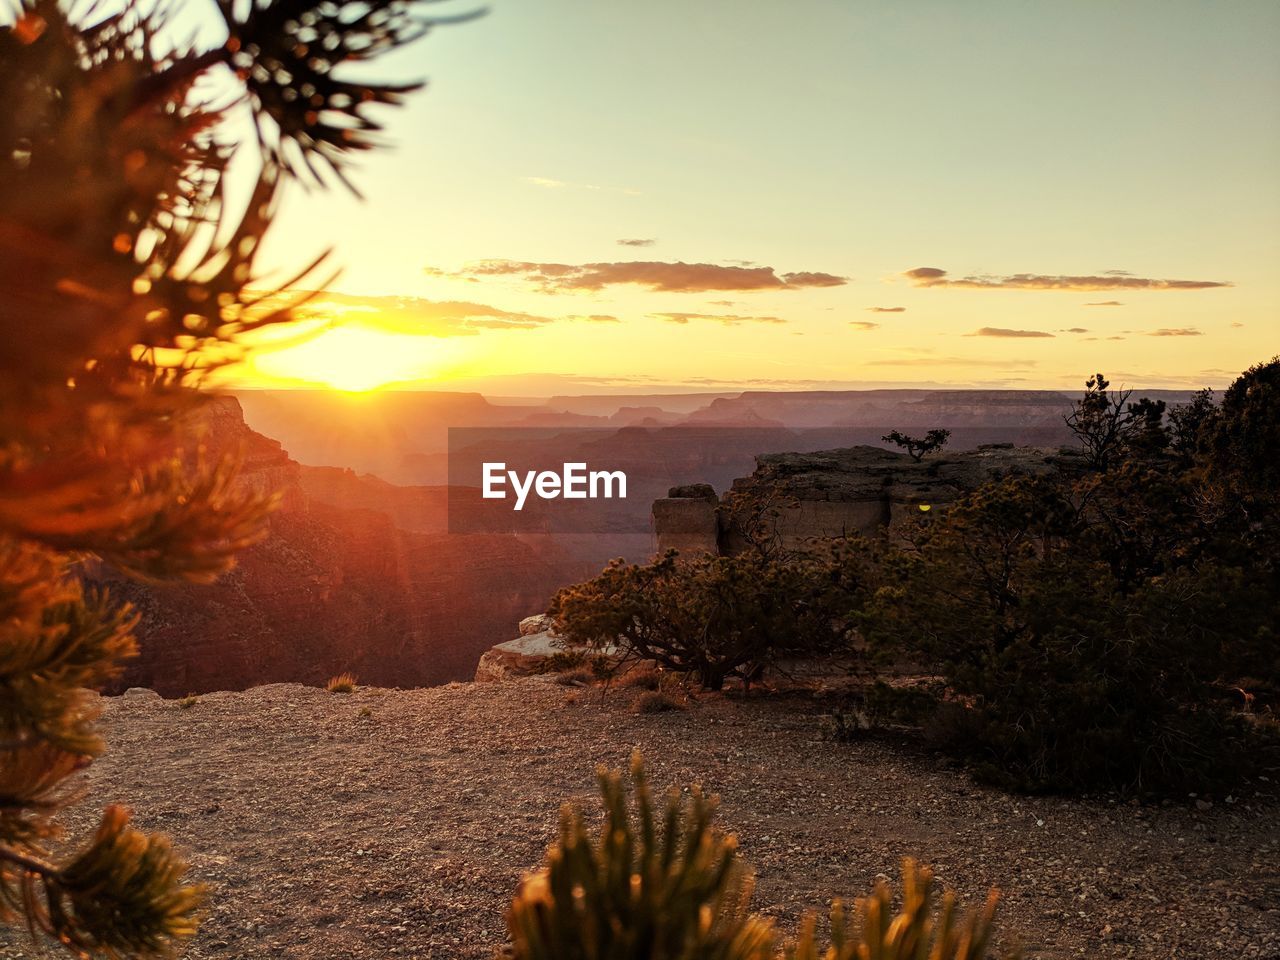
x,y
918,447
1110,428
128,271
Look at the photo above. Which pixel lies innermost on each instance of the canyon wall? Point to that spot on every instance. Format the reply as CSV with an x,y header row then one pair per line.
x,y
355,574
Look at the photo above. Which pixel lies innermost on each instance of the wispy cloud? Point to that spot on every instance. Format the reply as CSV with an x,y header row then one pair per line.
x,y
595,317
1105,303
1076,330
863,325
636,242
887,309
1175,332
1006,332
418,316
1111,280
727,319
677,277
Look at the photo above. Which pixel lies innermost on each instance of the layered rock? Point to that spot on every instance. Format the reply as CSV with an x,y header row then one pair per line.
x,y
855,490
532,653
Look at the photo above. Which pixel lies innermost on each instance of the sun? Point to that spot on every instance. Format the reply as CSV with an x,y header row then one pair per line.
x,y
349,357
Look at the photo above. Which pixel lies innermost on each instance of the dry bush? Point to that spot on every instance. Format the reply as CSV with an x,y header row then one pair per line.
x,y
342,683
643,678
579,677
656,701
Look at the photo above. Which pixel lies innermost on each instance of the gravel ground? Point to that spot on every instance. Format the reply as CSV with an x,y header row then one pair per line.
x,y
397,823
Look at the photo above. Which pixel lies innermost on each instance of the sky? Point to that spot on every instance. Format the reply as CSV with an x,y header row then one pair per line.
x,y
737,194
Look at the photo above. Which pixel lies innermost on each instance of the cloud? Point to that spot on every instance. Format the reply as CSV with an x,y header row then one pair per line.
x,y
677,277
887,309
417,316
1006,332
596,318
1075,330
1105,303
1236,324
1175,332
812,279
636,242
723,303
727,319
1111,280
863,325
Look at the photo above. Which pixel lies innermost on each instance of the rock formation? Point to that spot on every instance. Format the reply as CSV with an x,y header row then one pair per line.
x,y
855,490
355,575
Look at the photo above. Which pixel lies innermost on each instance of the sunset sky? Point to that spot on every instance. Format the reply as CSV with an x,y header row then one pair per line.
x,y
593,197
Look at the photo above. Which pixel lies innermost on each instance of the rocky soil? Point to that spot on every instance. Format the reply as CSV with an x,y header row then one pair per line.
x,y
398,823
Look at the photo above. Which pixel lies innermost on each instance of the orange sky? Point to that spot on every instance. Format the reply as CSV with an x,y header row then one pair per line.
x,y
628,197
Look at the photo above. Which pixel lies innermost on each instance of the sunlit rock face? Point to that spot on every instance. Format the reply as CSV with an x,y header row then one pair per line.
x,y
355,575
854,490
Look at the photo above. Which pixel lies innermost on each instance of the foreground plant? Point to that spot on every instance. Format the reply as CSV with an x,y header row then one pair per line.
x,y
657,889
661,888
918,931
128,271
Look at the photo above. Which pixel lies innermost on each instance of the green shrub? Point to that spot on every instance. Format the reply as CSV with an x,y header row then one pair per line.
x,y
1090,628
672,887
915,932
669,887
711,617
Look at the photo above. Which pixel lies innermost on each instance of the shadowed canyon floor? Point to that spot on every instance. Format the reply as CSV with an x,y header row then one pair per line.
x,y
398,823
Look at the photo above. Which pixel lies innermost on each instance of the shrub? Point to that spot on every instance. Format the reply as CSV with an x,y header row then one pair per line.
x,y
672,887
581,676
914,932
1088,627
342,683
656,888
642,678
189,701
655,701
129,271
712,617
563,661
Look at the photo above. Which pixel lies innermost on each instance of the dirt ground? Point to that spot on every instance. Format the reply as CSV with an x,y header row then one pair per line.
x,y
398,823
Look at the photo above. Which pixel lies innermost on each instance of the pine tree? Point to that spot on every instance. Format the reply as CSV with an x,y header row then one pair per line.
x,y
128,272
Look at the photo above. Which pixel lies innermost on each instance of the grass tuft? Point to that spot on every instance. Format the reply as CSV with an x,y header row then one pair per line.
x,y
342,683
655,701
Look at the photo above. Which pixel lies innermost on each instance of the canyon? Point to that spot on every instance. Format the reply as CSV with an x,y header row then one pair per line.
x,y
354,575
379,563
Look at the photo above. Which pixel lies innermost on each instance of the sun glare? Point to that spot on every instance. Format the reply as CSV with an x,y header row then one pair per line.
x,y
352,358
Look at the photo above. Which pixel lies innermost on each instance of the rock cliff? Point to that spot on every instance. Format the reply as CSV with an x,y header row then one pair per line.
x,y
853,490
355,575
